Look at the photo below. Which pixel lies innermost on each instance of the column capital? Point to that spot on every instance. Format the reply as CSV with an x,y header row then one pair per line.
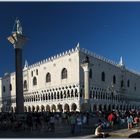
x,y
85,66
17,40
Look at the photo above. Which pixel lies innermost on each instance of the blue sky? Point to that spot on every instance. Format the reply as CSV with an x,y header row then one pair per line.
x,y
110,29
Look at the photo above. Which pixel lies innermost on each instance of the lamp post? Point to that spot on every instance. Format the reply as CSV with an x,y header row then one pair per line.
x,y
17,39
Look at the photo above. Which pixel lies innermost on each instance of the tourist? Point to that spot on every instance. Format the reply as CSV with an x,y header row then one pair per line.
x,y
29,122
52,123
129,121
72,121
98,131
79,122
136,121
111,119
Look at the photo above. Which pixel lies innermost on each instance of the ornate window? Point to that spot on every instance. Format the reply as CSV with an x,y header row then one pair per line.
x,y
10,87
135,87
48,77
32,73
128,83
90,73
64,73
36,71
114,79
103,76
34,81
25,84
4,89
122,83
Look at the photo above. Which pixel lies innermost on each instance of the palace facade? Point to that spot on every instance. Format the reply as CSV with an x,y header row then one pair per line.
x,y
61,83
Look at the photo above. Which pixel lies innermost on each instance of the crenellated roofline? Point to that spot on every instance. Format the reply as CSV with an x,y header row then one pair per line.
x,y
85,51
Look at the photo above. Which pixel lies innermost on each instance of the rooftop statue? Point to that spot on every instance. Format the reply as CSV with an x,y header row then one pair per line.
x,y
86,60
18,27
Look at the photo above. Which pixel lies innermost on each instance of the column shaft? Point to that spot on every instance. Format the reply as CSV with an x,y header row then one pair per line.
x,y
86,84
19,81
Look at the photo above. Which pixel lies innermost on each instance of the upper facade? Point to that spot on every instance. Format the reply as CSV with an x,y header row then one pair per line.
x,y
65,70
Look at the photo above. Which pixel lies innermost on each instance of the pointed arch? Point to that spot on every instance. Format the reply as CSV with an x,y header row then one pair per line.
x,y
114,79
34,81
48,77
64,74
103,76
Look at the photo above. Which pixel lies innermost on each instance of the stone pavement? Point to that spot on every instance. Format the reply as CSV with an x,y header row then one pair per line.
x,y
64,133
124,133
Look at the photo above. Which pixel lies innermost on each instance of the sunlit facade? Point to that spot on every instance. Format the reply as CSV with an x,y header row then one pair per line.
x,y
57,84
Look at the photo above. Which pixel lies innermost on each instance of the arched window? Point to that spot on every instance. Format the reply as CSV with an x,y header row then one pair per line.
x,y
114,79
10,87
32,73
128,83
90,73
34,81
36,71
3,88
64,73
103,76
48,77
25,84
135,87
122,83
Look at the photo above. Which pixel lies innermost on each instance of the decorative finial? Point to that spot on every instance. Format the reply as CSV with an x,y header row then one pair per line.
x,y
26,64
78,45
121,61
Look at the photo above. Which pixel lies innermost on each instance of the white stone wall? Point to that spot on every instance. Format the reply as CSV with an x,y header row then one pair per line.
x,y
98,66
54,67
72,60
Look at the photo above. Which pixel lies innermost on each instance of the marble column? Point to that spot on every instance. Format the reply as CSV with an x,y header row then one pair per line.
x,y
18,40
85,67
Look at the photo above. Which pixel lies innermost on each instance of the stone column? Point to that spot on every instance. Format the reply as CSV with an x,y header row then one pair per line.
x,y
85,67
86,80
18,40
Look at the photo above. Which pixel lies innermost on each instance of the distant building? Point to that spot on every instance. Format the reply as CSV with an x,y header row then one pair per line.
x,y
57,84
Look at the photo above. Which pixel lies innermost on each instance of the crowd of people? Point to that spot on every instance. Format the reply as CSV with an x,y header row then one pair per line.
x,y
117,120
43,121
76,121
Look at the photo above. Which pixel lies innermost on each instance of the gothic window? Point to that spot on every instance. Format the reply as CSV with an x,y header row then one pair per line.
x,y
114,79
54,95
72,93
68,94
93,95
34,81
90,73
36,71
4,89
48,77
46,96
135,87
103,76
57,95
32,73
128,83
81,93
10,87
61,95
64,73
76,93
64,94
25,84
122,83
49,96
